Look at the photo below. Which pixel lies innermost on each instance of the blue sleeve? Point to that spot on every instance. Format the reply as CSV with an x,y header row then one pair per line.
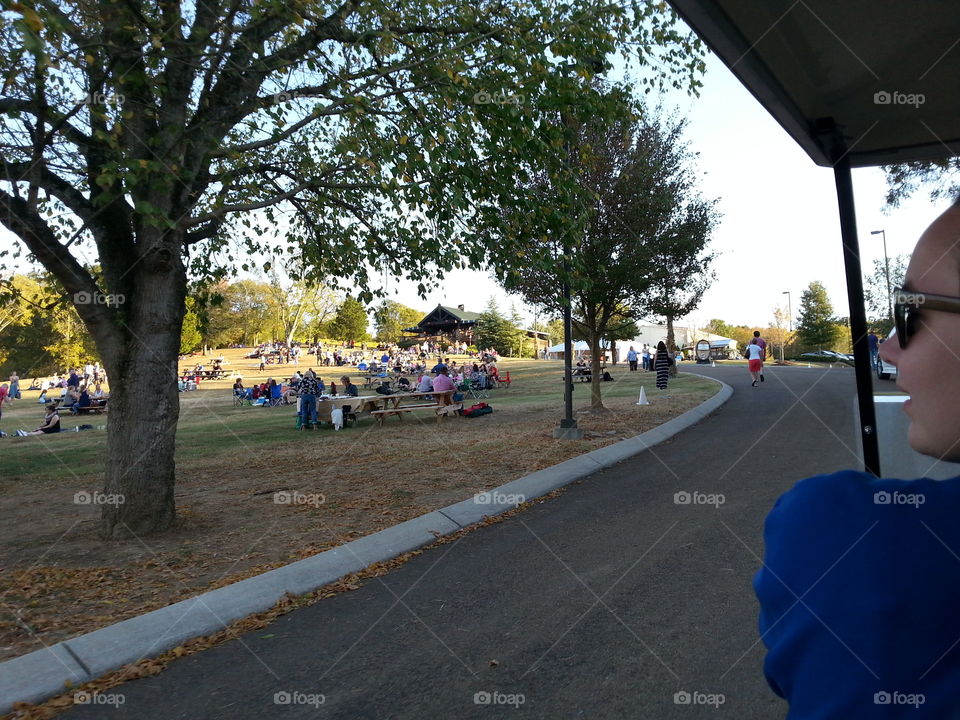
x,y
860,598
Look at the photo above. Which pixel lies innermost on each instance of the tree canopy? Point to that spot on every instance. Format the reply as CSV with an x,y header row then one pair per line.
x,y
636,243
877,294
495,330
940,178
173,141
350,323
391,317
816,326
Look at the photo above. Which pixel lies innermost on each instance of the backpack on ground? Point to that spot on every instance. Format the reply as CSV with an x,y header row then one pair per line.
x,y
478,410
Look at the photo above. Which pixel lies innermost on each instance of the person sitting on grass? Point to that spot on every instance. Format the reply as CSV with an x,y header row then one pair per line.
x,y
51,424
348,387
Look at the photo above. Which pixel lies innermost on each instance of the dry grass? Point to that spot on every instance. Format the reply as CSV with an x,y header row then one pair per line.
x,y
60,580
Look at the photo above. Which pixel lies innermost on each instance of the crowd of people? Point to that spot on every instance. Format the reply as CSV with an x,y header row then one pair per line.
x,y
401,371
80,387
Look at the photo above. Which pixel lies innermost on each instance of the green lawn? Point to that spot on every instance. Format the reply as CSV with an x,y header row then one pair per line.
x,y
213,431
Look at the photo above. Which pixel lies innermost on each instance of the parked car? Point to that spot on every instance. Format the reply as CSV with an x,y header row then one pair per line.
x,y
830,356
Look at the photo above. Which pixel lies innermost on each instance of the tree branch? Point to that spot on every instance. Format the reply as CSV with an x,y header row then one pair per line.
x,y
69,131
55,185
23,221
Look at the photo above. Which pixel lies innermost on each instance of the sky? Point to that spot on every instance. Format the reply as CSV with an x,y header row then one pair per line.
x,y
779,228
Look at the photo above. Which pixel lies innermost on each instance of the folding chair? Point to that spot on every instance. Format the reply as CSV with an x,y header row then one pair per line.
x,y
276,395
240,398
476,390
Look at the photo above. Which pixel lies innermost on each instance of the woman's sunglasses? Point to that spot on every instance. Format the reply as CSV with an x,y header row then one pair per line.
x,y
907,306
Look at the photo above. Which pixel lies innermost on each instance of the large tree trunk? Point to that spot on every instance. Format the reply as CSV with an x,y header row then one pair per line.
x,y
144,403
596,401
671,345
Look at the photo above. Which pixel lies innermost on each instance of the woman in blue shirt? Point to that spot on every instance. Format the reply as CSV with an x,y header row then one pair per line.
x,y
860,587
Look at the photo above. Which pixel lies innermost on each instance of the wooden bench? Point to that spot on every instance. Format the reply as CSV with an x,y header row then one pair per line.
x,y
95,409
439,410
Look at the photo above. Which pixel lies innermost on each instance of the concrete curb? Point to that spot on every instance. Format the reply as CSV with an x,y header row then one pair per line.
x,y
44,673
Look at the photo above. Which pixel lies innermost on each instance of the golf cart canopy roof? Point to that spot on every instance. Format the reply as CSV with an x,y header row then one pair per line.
x,y
875,80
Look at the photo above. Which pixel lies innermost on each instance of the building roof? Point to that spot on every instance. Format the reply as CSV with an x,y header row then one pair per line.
x,y
464,315
443,319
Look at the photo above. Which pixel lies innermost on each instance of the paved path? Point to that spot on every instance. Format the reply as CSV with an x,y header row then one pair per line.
x,y
603,603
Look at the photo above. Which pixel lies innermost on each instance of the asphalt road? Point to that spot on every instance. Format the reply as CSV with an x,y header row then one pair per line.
x,y
612,601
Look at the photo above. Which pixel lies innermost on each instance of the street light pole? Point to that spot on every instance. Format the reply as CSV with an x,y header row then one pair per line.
x,y
789,323
568,429
886,264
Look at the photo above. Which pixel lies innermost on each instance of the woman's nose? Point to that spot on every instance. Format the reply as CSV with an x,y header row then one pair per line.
x,y
890,348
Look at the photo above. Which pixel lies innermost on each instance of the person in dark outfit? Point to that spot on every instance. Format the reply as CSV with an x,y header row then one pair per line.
x,y
662,363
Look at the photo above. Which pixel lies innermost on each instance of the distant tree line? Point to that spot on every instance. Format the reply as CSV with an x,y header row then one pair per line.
x,y
40,334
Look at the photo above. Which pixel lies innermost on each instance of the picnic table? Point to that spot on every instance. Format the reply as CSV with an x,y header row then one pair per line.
x,y
327,404
95,407
209,374
587,374
438,402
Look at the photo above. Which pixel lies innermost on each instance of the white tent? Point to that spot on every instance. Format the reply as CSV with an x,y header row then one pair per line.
x,y
579,348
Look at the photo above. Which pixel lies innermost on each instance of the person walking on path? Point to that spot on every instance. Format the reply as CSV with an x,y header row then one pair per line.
x,y
632,359
661,363
859,579
755,361
763,350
